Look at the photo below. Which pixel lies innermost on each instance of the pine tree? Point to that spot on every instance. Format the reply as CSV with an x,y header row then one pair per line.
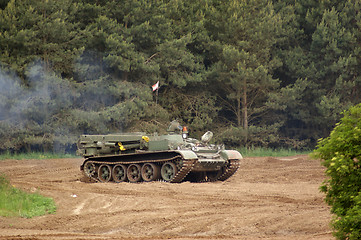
x,y
319,72
43,30
243,36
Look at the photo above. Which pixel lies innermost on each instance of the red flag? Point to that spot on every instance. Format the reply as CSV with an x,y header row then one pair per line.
x,y
155,86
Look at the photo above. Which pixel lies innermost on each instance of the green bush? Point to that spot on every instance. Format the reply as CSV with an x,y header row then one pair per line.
x,y
341,155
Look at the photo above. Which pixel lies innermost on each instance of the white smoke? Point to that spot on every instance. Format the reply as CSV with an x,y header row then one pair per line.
x,y
49,110
28,107
43,93
9,87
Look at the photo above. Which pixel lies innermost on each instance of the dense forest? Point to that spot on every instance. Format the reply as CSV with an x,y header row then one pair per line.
x,y
256,72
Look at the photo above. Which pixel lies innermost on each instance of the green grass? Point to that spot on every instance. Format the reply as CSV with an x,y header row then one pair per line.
x,y
268,152
17,203
34,155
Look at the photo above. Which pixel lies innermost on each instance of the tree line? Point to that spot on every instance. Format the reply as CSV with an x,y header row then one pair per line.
x,y
256,72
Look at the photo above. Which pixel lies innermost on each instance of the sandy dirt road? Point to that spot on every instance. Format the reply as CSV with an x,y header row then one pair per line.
x,y
268,198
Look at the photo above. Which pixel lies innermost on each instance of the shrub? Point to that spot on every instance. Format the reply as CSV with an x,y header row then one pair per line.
x,y
341,155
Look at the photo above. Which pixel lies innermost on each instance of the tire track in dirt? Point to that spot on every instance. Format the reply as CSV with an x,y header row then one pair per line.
x,y
268,198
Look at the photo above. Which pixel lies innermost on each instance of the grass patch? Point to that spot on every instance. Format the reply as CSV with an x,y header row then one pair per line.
x,y
17,203
268,152
34,155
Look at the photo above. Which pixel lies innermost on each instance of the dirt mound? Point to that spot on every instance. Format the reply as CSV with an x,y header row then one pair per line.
x,y
268,198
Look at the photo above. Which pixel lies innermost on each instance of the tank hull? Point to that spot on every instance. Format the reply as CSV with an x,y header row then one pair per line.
x,y
171,166
173,157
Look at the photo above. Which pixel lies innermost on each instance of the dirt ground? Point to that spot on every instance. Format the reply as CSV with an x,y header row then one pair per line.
x,y
268,198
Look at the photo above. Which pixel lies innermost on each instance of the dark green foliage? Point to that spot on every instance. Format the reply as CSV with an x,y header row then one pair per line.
x,y
40,29
243,34
3,3
320,73
341,155
253,136
258,73
196,109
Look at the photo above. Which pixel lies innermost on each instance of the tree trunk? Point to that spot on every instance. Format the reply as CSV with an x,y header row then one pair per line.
x,y
242,110
244,107
125,75
245,112
239,113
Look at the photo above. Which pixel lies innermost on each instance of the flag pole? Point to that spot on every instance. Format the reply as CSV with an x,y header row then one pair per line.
x,y
156,97
155,87
156,103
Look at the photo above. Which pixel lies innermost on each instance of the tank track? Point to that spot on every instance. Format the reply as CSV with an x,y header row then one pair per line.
x,y
230,169
185,168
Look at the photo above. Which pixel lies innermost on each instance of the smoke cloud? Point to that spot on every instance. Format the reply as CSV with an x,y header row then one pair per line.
x,y
47,112
28,109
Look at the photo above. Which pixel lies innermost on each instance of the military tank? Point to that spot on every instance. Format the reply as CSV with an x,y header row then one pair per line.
x,y
173,157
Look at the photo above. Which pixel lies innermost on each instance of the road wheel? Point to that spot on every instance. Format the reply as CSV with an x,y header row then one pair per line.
x,y
104,173
168,171
150,172
89,169
134,173
119,173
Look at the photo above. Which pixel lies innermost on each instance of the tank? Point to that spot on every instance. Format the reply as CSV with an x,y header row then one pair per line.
x,y
173,157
